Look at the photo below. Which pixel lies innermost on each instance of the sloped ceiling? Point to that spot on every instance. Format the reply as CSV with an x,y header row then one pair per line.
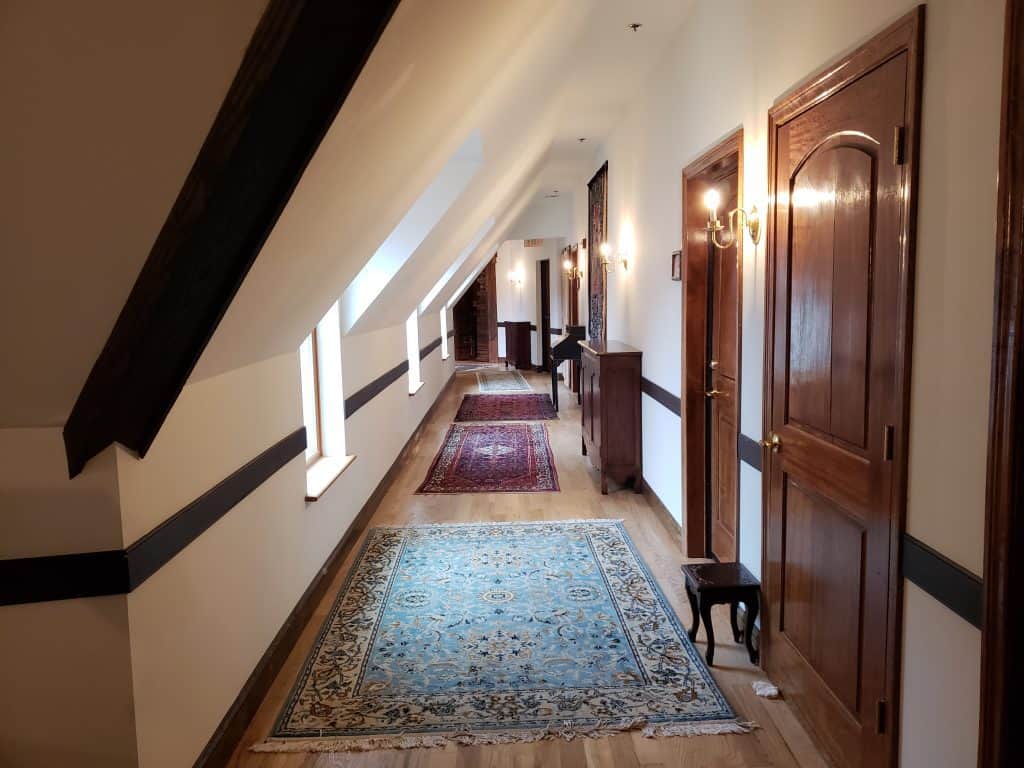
x,y
105,106
531,77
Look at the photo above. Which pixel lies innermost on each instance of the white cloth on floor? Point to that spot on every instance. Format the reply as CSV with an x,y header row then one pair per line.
x,y
766,689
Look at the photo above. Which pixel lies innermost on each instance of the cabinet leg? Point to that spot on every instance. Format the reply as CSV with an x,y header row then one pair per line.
x,y
584,444
695,623
752,608
734,620
604,485
709,628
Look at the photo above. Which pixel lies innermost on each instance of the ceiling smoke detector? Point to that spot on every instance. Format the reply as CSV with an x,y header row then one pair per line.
x,y
581,139
554,193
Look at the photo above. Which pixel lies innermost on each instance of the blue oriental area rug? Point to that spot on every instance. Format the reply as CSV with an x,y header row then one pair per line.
x,y
498,632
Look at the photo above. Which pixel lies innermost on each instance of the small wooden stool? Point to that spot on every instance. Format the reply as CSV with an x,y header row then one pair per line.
x,y
709,584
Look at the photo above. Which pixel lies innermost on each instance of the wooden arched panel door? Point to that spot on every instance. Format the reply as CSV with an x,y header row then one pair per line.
x,y
838,368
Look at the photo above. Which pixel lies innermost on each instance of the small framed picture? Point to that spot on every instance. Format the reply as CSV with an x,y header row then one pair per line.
x,y
677,265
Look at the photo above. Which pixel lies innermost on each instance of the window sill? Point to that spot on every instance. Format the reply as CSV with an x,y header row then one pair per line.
x,y
412,392
322,473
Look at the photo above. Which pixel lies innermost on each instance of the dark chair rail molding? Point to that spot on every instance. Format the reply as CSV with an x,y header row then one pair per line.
x,y
301,63
749,451
955,587
504,324
235,721
661,395
362,396
119,571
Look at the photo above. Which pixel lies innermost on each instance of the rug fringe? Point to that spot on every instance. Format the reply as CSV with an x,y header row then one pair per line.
x,y
476,738
571,520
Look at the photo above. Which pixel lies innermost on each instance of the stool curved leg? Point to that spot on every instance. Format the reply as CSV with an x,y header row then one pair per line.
x,y
752,608
709,628
695,623
734,620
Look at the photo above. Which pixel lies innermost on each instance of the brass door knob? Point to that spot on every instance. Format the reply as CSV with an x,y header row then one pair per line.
x,y
773,442
713,365
713,393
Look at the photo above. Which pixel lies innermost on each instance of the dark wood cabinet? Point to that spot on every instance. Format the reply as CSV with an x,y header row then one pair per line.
x,y
610,389
517,344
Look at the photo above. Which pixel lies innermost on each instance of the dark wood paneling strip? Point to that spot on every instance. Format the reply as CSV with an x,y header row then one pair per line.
x,y
555,331
955,587
147,555
430,348
749,451
63,577
232,727
119,571
663,396
301,63
504,324
362,396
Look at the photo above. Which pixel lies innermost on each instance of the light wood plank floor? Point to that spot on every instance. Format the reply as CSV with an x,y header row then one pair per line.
x,y
780,740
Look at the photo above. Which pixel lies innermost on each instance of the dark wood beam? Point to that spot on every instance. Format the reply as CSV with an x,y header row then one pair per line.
x,y
301,64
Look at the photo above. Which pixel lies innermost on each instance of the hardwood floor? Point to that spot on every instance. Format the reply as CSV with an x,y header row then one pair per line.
x,y
779,741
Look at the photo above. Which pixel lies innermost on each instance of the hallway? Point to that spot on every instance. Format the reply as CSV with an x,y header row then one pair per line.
x,y
778,741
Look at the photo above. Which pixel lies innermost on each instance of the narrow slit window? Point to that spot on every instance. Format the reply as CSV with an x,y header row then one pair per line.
x,y
444,333
323,405
412,348
310,396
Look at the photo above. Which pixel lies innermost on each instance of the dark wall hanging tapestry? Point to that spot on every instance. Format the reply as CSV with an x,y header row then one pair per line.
x,y
597,233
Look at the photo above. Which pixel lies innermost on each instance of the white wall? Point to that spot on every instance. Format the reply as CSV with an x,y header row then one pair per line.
x,y
676,116
200,624
65,668
522,302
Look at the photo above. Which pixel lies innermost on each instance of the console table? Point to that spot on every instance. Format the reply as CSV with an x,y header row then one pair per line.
x,y
610,391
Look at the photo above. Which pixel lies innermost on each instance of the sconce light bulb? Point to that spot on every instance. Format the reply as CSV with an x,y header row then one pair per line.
x,y
567,264
712,200
605,249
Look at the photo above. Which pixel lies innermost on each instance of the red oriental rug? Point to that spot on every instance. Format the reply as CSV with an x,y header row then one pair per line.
x,y
493,458
506,408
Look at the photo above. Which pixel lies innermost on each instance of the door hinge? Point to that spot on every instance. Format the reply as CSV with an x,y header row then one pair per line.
x,y
881,716
887,442
898,135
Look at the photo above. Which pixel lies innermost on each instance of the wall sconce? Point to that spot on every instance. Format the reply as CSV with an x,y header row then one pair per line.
x,y
515,277
572,270
752,221
610,259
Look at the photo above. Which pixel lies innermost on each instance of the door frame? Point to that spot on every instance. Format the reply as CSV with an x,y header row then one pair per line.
x,y
1002,670
544,327
695,303
904,35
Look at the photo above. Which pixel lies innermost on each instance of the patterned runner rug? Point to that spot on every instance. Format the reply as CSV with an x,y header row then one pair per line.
x,y
506,408
493,633
502,382
493,458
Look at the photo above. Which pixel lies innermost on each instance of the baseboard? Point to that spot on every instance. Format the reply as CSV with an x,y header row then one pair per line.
x,y
229,733
659,507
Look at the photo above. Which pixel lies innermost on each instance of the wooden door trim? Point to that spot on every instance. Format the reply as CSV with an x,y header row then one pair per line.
x,y
1001,668
904,35
692,424
492,310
